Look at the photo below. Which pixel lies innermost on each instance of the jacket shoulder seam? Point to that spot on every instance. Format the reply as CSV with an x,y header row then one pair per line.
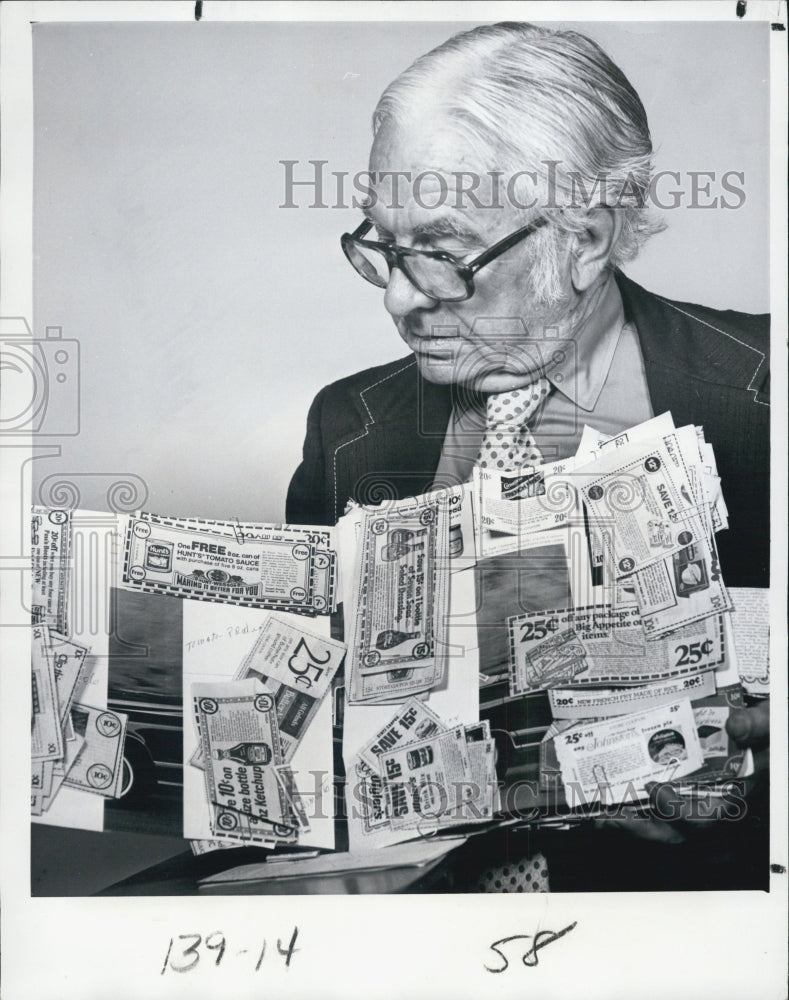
x,y
368,424
711,326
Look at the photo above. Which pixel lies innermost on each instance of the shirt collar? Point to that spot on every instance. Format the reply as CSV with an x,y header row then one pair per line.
x,y
583,368
581,374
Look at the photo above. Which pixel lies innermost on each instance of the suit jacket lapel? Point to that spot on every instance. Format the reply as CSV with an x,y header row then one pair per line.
x,y
404,422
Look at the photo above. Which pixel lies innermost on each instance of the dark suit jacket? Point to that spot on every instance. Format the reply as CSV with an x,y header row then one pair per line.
x,y
378,434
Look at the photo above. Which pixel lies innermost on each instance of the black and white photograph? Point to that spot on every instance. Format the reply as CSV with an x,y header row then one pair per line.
x,y
394,497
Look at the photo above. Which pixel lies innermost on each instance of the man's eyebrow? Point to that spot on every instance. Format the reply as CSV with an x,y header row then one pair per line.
x,y
447,226
433,229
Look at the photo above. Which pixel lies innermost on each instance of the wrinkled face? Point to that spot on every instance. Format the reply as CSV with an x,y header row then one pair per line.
x,y
489,341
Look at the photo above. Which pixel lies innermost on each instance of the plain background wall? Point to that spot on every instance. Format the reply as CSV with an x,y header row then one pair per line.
x,y
208,316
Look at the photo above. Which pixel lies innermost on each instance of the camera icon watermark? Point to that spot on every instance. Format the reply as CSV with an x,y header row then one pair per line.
x,y
41,381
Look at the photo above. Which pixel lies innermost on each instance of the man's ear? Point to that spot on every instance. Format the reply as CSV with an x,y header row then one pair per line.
x,y
593,246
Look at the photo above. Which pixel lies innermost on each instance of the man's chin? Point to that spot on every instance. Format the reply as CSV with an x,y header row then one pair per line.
x,y
501,381
442,371
448,372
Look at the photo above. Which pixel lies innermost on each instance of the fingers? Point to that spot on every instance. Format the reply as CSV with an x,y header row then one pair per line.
x,y
675,817
750,727
665,802
700,809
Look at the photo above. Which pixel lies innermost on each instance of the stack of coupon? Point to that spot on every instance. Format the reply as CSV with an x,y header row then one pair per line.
x,y
73,744
397,600
417,776
642,675
250,728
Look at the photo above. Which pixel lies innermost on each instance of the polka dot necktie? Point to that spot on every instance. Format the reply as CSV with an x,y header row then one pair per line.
x,y
526,874
507,443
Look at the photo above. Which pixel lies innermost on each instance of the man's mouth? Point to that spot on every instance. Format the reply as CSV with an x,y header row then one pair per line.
x,y
435,353
434,348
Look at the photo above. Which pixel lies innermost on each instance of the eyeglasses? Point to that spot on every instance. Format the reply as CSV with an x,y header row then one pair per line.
x,y
436,273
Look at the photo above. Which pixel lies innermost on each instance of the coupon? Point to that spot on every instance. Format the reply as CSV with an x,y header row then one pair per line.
x,y
613,760
412,722
603,644
750,618
321,536
683,588
713,487
324,582
392,687
550,773
298,811
428,781
50,539
324,597
401,589
60,768
206,846
722,756
593,442
568,703
40,785
527,501
168,556
68,661
98,766
368,816
399,606
484,799
297,667
640,497
240,744
459,501
240,828
46,737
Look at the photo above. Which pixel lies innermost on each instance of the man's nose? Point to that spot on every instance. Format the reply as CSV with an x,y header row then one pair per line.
x,y
403,297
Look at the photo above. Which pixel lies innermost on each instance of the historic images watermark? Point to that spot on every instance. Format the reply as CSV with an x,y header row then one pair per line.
x,y
312,184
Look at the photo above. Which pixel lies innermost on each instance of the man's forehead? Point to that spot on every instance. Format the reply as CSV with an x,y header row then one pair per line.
x,y
427,175
427,143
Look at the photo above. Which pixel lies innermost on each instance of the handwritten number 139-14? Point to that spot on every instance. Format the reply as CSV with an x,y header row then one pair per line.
x,y
183,952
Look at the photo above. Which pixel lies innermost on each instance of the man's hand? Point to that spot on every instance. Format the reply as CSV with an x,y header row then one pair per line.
x,y
675,817
750,727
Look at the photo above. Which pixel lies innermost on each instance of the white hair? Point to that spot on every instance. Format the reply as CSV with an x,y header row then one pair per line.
x,y
541,100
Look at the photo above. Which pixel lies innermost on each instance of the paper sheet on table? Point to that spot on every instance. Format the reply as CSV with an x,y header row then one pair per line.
x,y
416,855
93,571
216,638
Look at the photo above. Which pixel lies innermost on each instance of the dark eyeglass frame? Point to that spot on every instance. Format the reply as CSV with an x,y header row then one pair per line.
x,y
397,256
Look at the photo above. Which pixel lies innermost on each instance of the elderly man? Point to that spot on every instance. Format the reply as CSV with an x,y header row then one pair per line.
x,y
510,175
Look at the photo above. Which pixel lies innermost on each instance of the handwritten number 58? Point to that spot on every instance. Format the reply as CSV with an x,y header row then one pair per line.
x,y
530,958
